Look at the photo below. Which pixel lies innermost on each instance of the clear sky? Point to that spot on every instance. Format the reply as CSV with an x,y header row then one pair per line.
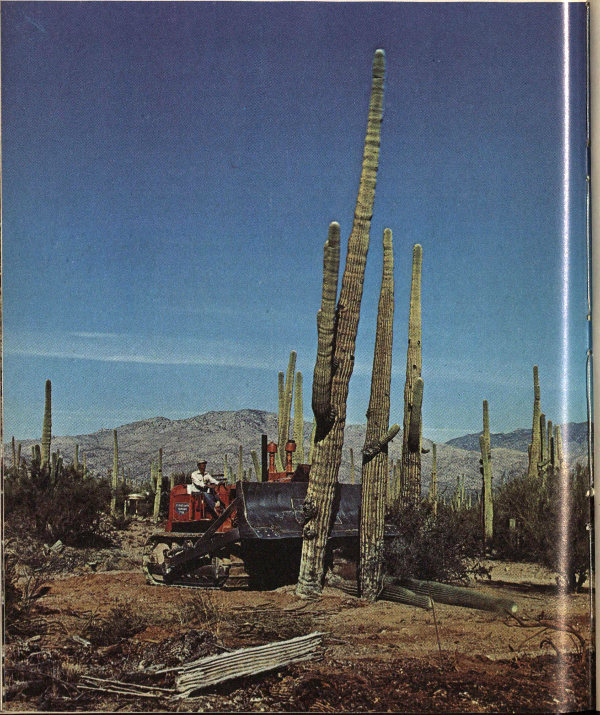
x,y
170,170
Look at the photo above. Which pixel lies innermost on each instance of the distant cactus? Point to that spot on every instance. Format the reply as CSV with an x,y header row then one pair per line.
x,y
330,414
375,452
352,467
558,449
298,421
225,470
158,492
411,451
285,409
256,464
47,426
486,472
84,467
535,446
15,464
240,472
115,475
76,458
433,498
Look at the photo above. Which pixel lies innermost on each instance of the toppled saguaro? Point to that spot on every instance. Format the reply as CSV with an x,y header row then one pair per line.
x,y
459,596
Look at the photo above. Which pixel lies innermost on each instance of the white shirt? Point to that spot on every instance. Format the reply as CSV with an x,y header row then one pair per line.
x,y
201,481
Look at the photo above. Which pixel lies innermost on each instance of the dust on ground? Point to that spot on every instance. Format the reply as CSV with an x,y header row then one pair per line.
x,y
378,657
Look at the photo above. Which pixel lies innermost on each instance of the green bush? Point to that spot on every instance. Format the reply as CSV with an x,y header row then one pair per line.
x,y
443,547
66,507
537,509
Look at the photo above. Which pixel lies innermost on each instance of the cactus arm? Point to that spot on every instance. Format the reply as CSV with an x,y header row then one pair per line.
x,y
413,440
324,366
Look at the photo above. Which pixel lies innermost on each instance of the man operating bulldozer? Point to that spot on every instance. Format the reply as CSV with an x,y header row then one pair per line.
x,y
204,482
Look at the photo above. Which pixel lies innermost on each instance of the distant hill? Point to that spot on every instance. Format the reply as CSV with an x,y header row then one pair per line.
x,y
519,439
215,434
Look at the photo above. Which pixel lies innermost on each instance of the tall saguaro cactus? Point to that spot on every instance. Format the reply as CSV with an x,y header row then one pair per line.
x,y
335,353
115,475
375,452
299,420
411,451
535,448
47,425
486,472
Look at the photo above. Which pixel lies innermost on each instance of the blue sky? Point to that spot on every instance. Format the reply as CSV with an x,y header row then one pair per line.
x,y
170,170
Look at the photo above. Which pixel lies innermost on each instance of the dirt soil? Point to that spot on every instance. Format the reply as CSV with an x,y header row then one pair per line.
x,y
107,622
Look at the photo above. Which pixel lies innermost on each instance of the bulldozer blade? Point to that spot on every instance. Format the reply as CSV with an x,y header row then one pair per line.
x,y
272,510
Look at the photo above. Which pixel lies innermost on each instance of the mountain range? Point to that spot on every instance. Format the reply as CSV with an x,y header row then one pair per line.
x,y
213,435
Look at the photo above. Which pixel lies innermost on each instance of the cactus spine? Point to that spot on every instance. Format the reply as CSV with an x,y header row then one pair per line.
x,y
486,471
411,450
158,492
433,498
47,425
115,475
299,421
536,444
334,375
375,467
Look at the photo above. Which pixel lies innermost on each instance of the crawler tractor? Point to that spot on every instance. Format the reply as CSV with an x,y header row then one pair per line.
x,y
256,537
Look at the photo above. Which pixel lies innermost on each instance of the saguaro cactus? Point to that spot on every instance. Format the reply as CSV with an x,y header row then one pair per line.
x,y
240,471
76,458
375,452
285,409
299,421
352,467
47,425
411,450
486,472
84,467
158,492
536,442
336,340
115,475
433,488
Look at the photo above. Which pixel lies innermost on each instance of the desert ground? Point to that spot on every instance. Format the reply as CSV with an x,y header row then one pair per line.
x,y
98,617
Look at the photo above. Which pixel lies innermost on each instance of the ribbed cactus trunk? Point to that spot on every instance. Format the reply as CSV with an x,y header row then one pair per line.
x,y
240,471
433,498
336,340
299,421
84,466
76,458
158,492
411,452
283,427
47,425
115,475
486,466
311,447
536,442
375,451
19,462
558,448
256,463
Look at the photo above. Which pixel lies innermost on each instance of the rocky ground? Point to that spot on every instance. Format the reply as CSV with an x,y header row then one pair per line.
x,y
96,616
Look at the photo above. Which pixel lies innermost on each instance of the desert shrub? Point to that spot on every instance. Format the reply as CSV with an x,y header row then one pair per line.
x,y
120,622
443,547
537,508
22,588
68,508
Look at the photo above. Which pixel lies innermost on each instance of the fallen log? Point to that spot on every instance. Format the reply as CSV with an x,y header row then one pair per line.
x,y
459,596
214,669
